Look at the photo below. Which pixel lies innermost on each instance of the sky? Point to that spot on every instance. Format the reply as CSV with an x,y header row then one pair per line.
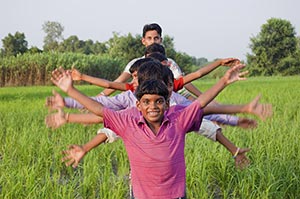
x,y
208,28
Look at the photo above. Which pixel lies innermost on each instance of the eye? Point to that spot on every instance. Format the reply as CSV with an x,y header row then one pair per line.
x,y
145,102
160,101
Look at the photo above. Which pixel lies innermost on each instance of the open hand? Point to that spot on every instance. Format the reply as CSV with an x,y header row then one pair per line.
x,y
263,111
73,155
55,120
241,160
54,102
62,79
234,74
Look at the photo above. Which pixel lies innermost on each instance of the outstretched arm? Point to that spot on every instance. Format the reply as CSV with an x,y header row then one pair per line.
x,y
63,80
75,153
76,75
208,68
239,154
56,120
231,75
122,78
262,111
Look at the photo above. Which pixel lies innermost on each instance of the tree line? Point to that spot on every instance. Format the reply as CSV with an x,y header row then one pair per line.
x,y
275,51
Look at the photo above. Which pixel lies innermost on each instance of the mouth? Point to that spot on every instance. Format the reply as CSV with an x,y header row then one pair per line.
x,y
153,113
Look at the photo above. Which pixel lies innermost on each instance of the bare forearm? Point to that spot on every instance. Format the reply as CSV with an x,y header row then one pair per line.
x,y
97,140
96,81
225,142
193,89
90,104
208,68
211,93
122,78
224,109
87,118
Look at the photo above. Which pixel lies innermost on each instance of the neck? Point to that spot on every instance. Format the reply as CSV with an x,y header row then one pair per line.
x,y
154,126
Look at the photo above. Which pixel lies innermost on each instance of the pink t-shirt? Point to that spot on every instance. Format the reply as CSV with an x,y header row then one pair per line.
x,y
156,161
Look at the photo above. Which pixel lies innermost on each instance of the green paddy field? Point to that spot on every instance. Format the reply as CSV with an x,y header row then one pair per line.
x,y
30,154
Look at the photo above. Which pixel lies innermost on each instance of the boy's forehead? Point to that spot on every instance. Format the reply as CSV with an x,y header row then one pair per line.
x,y
151,33
152,97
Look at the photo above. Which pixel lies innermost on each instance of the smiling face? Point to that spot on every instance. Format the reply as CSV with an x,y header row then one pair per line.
x,y
152,107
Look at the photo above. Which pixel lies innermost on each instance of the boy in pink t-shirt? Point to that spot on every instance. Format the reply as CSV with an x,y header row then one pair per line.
x,y
153,133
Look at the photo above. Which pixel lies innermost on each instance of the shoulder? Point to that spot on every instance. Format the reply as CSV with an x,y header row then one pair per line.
x,y
127,67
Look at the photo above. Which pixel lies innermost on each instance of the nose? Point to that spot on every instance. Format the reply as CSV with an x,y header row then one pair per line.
x,y
153,105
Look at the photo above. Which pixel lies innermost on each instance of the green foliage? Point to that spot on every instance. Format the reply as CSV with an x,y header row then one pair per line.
x,y
73,44
53,36
35,69
184,61
125,47
14,44
275,42
168,43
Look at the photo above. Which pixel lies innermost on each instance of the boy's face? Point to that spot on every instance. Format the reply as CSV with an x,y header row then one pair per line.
x,y
152,107
134,81
151,37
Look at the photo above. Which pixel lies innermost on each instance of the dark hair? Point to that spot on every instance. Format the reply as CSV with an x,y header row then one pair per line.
x,y
155,47
155,70
168,75
152,26
150,70
137,64
158,56
152,86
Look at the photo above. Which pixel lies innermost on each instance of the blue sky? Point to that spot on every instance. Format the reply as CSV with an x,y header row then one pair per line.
x,y
210,29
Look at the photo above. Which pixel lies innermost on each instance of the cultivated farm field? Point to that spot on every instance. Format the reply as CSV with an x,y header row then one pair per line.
x,y
30,153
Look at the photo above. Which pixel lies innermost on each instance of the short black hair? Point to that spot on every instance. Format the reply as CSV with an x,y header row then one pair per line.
x,y
155,47
152,86
150,70
158,56
137,64
152,26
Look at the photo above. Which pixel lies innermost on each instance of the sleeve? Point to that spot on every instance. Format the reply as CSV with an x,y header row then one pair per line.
x,y
116,121
129,87
223,119
72,103
191,117
208,129
111,136
178,84
175,68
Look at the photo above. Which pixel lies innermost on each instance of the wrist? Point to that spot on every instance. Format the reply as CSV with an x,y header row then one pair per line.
x,y
85,148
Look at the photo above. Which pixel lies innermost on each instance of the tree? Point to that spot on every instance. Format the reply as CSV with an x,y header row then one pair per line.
x,y
53,36
125,47
275,42
168,43
73,44
14,44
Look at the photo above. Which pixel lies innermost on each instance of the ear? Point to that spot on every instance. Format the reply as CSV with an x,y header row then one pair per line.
x,y
143,41
138,105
